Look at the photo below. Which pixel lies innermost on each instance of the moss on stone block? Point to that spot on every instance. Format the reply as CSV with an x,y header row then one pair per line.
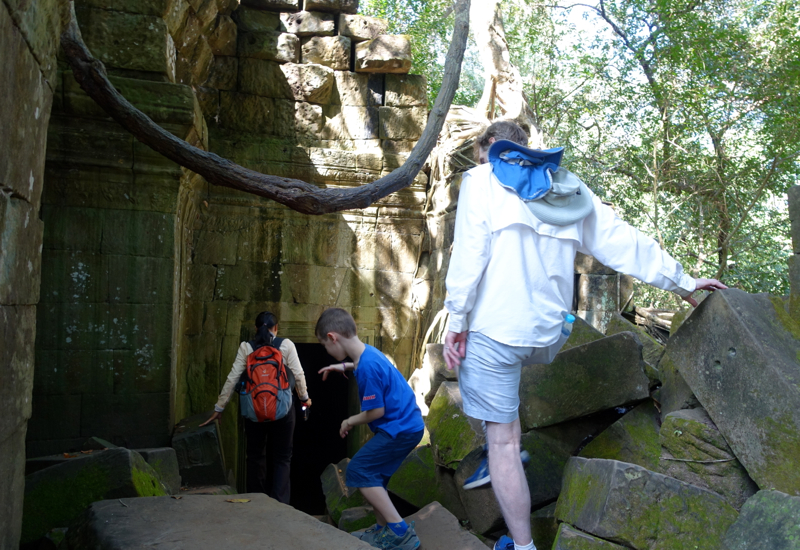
x,y
338,496
570,538
633,438
415,480
453,433
356,519
582,333
769,521
57,495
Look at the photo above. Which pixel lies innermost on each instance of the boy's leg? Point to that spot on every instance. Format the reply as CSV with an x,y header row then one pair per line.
x,y
256,443
378,497
508,478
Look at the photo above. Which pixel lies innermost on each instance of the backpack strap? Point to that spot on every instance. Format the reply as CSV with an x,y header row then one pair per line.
x,y
276,342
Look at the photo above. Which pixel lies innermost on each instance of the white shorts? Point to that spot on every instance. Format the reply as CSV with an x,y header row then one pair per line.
x,y
489,379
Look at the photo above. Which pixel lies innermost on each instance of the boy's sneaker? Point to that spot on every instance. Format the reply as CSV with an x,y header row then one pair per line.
x,y
505,543
389,541
371,535
481,475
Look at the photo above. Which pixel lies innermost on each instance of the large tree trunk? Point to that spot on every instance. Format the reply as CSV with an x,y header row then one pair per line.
x,y
503,89
298,195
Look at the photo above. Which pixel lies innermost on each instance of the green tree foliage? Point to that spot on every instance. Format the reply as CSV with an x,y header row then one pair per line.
x,y
684,114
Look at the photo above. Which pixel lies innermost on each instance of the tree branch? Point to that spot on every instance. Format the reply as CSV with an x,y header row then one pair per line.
x,y
296,194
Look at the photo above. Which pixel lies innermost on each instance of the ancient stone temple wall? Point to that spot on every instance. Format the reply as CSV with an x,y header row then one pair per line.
x,y
28,51
151,276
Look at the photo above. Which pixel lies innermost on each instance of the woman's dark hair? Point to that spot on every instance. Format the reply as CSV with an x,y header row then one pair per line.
x,y
502,129
264,322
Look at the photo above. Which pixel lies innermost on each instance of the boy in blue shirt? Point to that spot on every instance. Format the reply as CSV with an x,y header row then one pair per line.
x,y
389,408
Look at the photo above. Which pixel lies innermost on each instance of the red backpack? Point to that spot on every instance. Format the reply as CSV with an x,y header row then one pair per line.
x,y
265,389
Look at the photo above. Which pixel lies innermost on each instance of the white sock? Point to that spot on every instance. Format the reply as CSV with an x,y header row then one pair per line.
x,y
526,547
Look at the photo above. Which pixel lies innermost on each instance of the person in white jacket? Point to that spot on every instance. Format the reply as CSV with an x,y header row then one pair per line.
x,y
520,221
278,433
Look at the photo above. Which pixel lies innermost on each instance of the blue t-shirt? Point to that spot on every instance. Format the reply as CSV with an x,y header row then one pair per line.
x,y
380,384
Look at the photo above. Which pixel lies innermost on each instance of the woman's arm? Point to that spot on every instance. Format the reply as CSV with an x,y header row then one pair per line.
x,y
237,369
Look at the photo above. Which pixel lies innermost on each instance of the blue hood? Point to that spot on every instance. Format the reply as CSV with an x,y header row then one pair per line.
x,y
525,171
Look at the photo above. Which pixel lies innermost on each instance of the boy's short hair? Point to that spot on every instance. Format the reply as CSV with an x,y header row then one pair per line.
x,y
502,129
335,320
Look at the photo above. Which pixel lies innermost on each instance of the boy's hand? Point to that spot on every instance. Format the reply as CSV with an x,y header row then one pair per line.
x,y
345,428
338,367
455,348
212,419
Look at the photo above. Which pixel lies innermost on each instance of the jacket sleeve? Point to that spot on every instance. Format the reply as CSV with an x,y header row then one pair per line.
x,y
471,249
624,248
289,351
233,377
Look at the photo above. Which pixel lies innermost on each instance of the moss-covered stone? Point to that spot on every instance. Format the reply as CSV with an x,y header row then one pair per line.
x,y
338,496
57,495
453,433
544,526
633,438
769,521
582,333
356,519
599,375
651,349
570,538
415,480
695,451
635,507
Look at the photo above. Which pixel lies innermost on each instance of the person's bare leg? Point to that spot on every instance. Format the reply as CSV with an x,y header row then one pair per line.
x,y
382,505
508,479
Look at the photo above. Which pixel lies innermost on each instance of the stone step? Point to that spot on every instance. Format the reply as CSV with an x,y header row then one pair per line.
x,y
204,522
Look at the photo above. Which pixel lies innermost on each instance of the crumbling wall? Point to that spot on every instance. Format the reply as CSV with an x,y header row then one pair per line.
x,y
28,49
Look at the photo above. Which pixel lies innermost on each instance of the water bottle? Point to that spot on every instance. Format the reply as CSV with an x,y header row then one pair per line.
x,y
566,327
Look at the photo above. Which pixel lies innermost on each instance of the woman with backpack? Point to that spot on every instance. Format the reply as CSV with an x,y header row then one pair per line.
x,y
261,377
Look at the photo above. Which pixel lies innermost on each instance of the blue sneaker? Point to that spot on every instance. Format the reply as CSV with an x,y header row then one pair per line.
x,y
370,535
387,540
481,475
505,543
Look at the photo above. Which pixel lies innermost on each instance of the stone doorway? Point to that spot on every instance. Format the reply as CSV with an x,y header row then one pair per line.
x,y
316,441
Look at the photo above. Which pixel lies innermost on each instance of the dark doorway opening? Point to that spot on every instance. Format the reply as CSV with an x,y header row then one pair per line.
x,y
316,440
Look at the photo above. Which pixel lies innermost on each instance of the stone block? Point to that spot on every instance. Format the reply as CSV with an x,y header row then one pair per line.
x,y
360,27
599,375
440,529
433,363
582,333
273,5
402,123
246,112
206,521
176,18
56,496
338,496
350,122
768,521
164,461
21,233
695,452
745,376
415,481
139,279
128,41
384,54
55,416
635,507
330,51
794,285
310,82
335,6
135,233
272,46
355,89
132,419
74,277
406,90
236,282
255,20
24,128
72,228
12,480
264,78
199,451
141,7
634,438
480,504
597,292
356,519
586,264
652,351
18,325
544,526
308,23
223,38
794,216
65,372
194,62
674,393
570,538
453,433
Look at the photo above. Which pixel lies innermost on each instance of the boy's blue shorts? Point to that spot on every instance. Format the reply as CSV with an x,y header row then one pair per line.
x,y
379,458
